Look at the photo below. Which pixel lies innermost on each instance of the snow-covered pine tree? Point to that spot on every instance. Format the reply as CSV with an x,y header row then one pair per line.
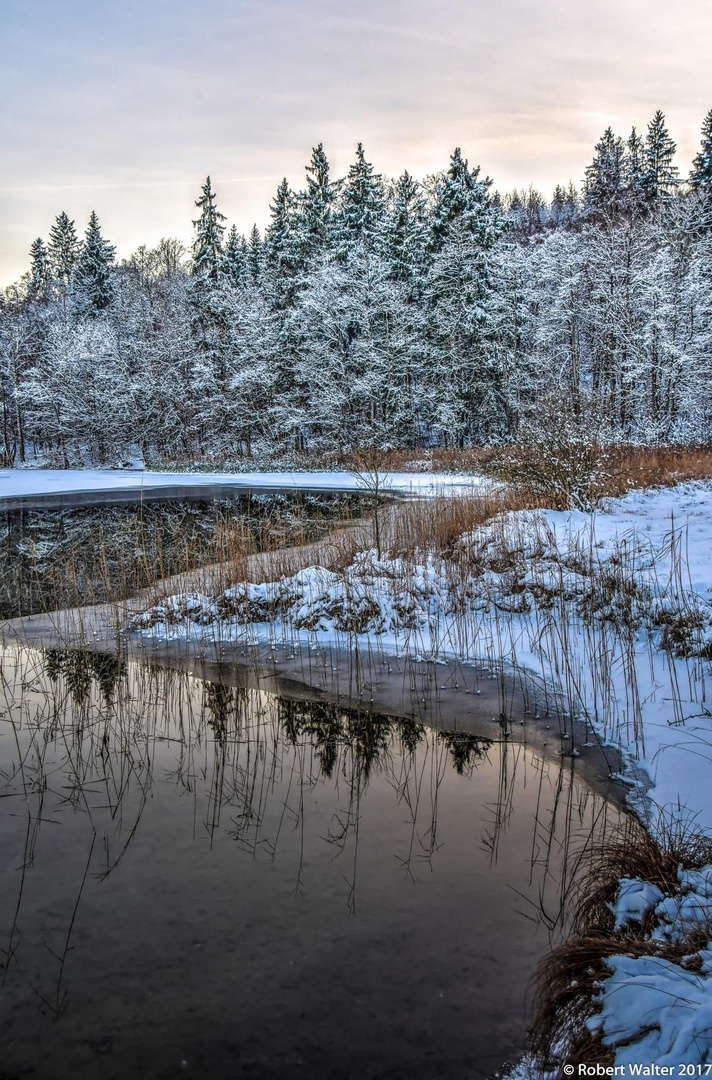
x,y
701,173
463,380
405,234
564,211
360,216
605,177
316,206
660,177
281,247
207,245
461,196
63,248
556,209
233,263
634,172
40,271
255,254
92,285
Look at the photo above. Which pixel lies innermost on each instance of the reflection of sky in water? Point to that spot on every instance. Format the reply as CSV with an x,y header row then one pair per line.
x,y
266,882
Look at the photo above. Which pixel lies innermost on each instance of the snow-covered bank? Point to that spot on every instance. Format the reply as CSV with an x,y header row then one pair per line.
x,y
43,483
650,1008
613,609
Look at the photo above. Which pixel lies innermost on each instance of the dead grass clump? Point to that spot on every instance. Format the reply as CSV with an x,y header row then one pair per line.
x,y
683,631
569,979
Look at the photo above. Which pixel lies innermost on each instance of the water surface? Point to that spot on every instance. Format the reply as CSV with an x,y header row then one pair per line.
x,y
75,555
202,880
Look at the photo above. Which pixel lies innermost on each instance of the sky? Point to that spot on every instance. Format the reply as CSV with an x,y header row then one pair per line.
x,y
124,106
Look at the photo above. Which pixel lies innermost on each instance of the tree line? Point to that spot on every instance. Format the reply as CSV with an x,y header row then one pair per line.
x,y
388,313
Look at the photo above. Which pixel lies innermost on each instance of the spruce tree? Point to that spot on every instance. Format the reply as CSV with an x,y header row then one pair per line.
x,y
92,282
605,179
255,254
207,246
63,248
316,206
405,233
556,209
564,210
40,271
701,174
461,196
634,171
660,176
233,264
281,245
360,216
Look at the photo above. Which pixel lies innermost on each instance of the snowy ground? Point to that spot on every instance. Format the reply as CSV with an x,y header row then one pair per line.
x,y
39,483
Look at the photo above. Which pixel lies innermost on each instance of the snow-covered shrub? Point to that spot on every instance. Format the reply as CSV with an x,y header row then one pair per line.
x,y
557,461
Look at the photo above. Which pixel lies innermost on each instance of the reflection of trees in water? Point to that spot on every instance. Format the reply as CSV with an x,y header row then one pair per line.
x,y
95,735
78,667
61,558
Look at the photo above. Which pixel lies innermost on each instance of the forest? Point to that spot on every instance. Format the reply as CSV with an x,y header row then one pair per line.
x,y
375,312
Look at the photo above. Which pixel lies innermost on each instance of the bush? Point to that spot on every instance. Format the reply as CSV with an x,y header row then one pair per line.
x,y
557,461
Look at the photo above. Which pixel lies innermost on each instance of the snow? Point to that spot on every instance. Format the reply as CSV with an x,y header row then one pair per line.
x,y
653,1010
636,899
659,1010
29,483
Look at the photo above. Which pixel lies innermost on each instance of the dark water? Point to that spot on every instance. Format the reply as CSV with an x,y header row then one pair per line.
x,y
201,880
89,554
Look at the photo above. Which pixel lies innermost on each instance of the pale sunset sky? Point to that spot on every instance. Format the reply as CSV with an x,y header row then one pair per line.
x,y
124,107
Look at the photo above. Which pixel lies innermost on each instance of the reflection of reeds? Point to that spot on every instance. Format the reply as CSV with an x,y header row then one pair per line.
x,y
501,594
67,558
94,736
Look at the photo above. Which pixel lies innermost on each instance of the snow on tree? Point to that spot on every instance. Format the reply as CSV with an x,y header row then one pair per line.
x,y
461,196
207,245
63,248
40,271
282,256
660,176
404,242
92,284
233,264
701,174
255,254
360,215
316,206
605,176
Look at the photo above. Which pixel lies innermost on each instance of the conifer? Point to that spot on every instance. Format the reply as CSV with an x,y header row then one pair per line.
x,y
701,174
92,283
63,248
207,246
